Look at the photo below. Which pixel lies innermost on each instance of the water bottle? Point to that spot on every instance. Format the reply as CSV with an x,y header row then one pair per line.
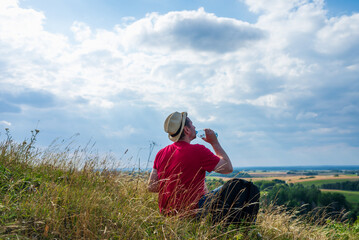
x,y
202,134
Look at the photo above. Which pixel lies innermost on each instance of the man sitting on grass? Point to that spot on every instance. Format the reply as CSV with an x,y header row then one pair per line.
x,y
179,170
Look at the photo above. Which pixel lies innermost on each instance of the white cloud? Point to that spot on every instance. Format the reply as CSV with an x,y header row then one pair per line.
x,y
101,64
203,119
123,133
322,130
339,35
330,131
250,135
287,67
306,115
5,123
23,29
269,100
8,4
81,31
195,30
353,67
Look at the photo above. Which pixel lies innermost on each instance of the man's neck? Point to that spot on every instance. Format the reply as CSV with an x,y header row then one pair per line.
x,y
185,139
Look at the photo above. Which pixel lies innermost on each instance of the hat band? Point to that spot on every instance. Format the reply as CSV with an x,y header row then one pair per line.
x,y
178,131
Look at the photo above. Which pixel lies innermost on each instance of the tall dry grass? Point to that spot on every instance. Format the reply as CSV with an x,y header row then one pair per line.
x,y
72,193
276,222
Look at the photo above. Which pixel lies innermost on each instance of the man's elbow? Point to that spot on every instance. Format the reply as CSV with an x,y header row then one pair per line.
x,y
227,167
228,170
152,188
224,169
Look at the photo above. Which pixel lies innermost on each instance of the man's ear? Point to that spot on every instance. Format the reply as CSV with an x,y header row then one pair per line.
x,y
186,130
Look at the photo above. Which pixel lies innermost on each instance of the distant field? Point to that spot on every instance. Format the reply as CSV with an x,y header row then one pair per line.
x,y
309,180
319,182
351,196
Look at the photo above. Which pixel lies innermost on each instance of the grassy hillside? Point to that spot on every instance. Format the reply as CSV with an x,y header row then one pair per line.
x,y
351,196
53,193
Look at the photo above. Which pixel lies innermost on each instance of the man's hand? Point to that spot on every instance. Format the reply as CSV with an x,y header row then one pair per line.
x,y
211,137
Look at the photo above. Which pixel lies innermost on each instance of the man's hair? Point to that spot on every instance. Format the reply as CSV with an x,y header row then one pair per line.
x,y
186,123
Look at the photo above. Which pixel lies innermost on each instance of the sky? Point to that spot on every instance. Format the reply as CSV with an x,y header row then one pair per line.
x,y
278,80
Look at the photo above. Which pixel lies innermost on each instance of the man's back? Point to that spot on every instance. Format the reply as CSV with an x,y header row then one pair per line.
x,y
181,169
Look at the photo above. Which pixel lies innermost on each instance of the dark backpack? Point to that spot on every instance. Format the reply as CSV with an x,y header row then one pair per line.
x,y
236,203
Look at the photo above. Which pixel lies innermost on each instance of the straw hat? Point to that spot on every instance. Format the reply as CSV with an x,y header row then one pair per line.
x,y
174,125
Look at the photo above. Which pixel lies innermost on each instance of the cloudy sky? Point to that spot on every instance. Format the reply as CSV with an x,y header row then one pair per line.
x,y
277,79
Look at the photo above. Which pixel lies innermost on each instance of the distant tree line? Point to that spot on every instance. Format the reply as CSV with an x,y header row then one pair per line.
x,y
265,185
310,200
348,185
214,183
306,173
355,172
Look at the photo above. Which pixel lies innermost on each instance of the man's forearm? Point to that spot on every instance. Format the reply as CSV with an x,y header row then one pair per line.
x,y
153,184
227,164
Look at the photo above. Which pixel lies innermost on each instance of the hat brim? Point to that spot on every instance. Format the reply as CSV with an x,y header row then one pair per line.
x,y
177,137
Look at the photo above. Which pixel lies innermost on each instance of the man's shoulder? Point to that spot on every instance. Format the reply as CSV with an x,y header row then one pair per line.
x,y
199,147
163,152
165,149
171,147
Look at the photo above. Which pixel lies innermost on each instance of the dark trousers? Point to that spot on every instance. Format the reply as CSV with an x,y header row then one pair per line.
x,y
204,202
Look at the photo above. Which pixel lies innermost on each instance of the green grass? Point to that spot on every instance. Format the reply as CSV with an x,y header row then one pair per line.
x,y
351,196
57,193
212,178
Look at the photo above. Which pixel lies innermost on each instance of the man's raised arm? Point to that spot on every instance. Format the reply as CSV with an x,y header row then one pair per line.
x,y
224,165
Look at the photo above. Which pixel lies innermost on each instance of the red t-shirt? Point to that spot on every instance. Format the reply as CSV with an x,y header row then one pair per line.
x,y
181,169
